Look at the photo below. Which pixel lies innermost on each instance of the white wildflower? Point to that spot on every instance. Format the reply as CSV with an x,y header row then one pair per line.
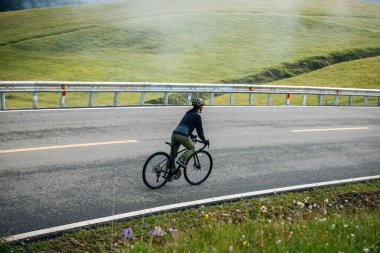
x,y
345,225
333,226
231,249
365,250
326,201
300,204
278,241
352,235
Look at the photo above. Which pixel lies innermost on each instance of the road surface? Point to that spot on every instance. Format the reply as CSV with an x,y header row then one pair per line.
x,y
66,166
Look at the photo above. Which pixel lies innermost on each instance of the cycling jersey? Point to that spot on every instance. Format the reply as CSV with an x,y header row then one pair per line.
x,y
192,120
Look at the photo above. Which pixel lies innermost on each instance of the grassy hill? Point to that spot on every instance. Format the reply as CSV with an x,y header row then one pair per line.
x,y
180,41
362,73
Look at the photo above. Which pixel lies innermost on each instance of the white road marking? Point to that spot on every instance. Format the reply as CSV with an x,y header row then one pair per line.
x,y
4,151
330,129
150,211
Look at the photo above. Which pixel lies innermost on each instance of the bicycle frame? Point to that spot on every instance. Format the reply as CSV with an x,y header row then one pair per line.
x,y
172,157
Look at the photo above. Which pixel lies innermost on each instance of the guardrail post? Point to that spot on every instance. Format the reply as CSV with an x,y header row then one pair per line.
x,y
62,102
232,98
336,101
250,98
91,99
2,101
212,98
270,99
287,101
304,100
116,99
320,100
350,100
166,98
142,98
365,100
188,101
35,99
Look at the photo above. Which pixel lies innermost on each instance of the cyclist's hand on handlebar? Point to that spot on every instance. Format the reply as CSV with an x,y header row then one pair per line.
x,y
194,137
207,142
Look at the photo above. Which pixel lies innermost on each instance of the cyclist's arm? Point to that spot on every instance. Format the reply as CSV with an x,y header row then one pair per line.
x,y
198,126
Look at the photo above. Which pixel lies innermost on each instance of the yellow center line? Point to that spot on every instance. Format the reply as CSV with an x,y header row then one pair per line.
x,y
331,129
65,146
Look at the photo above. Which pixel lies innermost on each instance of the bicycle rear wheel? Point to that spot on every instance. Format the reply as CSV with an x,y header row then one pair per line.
x,y
198,168
155,169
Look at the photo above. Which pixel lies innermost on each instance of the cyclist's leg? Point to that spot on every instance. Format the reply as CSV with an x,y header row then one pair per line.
x,y
174,149
176,144
189,145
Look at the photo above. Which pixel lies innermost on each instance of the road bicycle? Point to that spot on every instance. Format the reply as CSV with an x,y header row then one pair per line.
x,y
156,171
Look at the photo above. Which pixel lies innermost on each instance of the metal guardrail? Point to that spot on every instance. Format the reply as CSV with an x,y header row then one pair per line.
x,y
36,87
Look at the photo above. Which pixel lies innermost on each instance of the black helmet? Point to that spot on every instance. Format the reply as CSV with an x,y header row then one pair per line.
x,y
198,101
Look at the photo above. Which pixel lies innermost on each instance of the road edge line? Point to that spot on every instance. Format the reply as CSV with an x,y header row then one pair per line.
x,y
150,211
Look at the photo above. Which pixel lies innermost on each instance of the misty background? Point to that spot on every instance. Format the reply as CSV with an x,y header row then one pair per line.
x,y
12,5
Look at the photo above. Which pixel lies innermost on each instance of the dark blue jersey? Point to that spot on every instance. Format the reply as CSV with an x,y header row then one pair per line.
x,y
192,120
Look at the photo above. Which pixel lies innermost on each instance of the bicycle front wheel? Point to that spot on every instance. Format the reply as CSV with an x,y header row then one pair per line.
x,y
155,169
198,168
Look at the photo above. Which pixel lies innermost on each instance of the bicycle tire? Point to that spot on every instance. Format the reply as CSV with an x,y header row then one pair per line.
x,y
191,168
148,168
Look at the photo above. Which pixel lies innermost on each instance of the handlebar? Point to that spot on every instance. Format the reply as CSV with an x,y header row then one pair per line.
x,y
195,140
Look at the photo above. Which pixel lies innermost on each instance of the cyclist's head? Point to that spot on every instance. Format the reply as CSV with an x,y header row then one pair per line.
x,y
198,103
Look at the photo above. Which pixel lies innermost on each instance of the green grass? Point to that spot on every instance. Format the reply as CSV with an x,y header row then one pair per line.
x,y
178,41
332,219
363,73
171,41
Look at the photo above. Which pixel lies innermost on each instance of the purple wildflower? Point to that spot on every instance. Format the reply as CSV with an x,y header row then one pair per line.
x,y
127,232
157,231
173,230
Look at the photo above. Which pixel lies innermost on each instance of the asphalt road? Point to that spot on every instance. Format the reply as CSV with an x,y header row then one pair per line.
x,y
254,148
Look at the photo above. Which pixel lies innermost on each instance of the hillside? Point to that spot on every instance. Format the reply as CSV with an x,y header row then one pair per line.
x,y
178,41
362,73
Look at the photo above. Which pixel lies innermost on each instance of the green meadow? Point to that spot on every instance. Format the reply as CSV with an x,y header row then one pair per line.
x,y
363,73
208,41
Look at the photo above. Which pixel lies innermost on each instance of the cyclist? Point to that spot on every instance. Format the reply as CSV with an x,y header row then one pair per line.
x,y
183,132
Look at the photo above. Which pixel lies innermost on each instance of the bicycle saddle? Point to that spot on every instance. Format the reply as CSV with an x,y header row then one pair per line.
x,y
169,144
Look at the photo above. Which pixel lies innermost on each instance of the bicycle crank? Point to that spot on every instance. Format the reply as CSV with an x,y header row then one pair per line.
x,y
176,175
